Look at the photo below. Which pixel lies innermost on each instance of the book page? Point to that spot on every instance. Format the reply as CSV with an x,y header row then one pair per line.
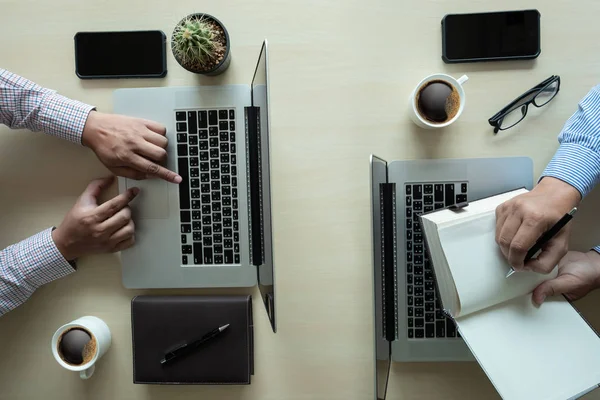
x,y
437,220
445,283
479,268
531,353
450,217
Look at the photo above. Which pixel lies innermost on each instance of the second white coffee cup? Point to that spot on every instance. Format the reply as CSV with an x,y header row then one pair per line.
x,y
412,104
99,331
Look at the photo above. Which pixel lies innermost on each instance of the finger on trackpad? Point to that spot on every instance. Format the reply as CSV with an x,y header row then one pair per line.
x,y
153,200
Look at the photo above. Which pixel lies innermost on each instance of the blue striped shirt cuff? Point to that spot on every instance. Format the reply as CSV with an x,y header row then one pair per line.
x,y
576,165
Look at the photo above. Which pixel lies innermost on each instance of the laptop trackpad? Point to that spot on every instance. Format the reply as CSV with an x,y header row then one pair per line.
x,y
153,200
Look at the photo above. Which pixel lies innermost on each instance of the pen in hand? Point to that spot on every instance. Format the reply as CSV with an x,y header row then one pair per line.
x,y
541,242
187,348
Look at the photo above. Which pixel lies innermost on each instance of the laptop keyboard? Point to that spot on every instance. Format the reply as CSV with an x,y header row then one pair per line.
x,y
424,309
208,194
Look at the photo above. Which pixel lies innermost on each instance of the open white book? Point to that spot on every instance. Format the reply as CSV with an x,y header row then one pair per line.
x,y
528,352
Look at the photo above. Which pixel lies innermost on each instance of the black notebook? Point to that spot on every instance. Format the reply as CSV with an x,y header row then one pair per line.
x,y
162,323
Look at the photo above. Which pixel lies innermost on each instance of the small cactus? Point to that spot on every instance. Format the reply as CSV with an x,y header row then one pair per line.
x,y
197,43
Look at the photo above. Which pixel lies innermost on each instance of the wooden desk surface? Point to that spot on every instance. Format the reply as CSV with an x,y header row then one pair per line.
x,y
341,74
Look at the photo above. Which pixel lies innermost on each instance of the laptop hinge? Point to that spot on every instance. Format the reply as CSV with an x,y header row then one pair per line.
x,y
253,166
389,290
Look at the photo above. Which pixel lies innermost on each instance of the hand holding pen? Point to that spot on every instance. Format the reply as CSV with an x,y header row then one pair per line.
x,y
545,238
523,220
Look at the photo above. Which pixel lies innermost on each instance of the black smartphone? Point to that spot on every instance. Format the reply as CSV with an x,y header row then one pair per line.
x,y
126,54
491,36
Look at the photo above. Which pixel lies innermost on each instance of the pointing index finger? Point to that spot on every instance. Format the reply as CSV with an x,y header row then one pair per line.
x,y
152,169
114,205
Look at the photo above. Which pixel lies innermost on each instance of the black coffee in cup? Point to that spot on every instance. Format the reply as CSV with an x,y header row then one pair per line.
x,y
437,101
77,346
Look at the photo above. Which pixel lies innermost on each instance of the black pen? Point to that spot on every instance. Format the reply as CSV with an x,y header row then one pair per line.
x,y
549,234
189,347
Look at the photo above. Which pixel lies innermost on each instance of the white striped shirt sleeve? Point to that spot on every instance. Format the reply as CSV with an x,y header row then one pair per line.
x,y
24,104
33,262
27,265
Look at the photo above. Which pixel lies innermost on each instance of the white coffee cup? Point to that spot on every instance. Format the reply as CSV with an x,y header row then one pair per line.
x,y
100,333
412,104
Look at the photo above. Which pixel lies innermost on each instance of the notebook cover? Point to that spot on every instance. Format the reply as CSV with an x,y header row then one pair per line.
x,y
160,323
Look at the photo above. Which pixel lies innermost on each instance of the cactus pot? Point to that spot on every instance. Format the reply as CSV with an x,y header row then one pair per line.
x,y
218,67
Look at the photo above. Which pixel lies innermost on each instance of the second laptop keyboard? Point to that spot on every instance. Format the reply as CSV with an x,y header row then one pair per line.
x,y
424,310
208,193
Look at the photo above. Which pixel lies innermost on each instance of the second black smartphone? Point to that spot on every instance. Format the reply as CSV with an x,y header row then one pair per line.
x,y
125,54
502,35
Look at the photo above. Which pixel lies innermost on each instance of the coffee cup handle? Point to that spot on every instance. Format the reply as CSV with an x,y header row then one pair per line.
x,y
463,79
87,373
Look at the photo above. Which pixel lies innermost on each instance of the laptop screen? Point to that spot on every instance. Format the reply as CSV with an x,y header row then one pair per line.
x,y
260,100
381,324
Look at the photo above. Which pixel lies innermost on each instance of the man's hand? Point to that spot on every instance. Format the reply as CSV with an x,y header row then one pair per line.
x,y
578,274
90,228
522,220
129,147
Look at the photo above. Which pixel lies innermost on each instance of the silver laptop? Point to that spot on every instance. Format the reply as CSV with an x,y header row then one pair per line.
x,y
214,228
409,323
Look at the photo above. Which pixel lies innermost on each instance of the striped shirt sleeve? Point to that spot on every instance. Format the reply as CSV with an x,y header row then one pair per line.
x,y
33,262
24,104
577,160
26,266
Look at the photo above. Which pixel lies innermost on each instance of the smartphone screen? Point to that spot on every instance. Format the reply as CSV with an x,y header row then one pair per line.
x,y
132,54
491,36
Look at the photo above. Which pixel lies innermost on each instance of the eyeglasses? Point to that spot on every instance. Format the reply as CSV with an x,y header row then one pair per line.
x,y
514,113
